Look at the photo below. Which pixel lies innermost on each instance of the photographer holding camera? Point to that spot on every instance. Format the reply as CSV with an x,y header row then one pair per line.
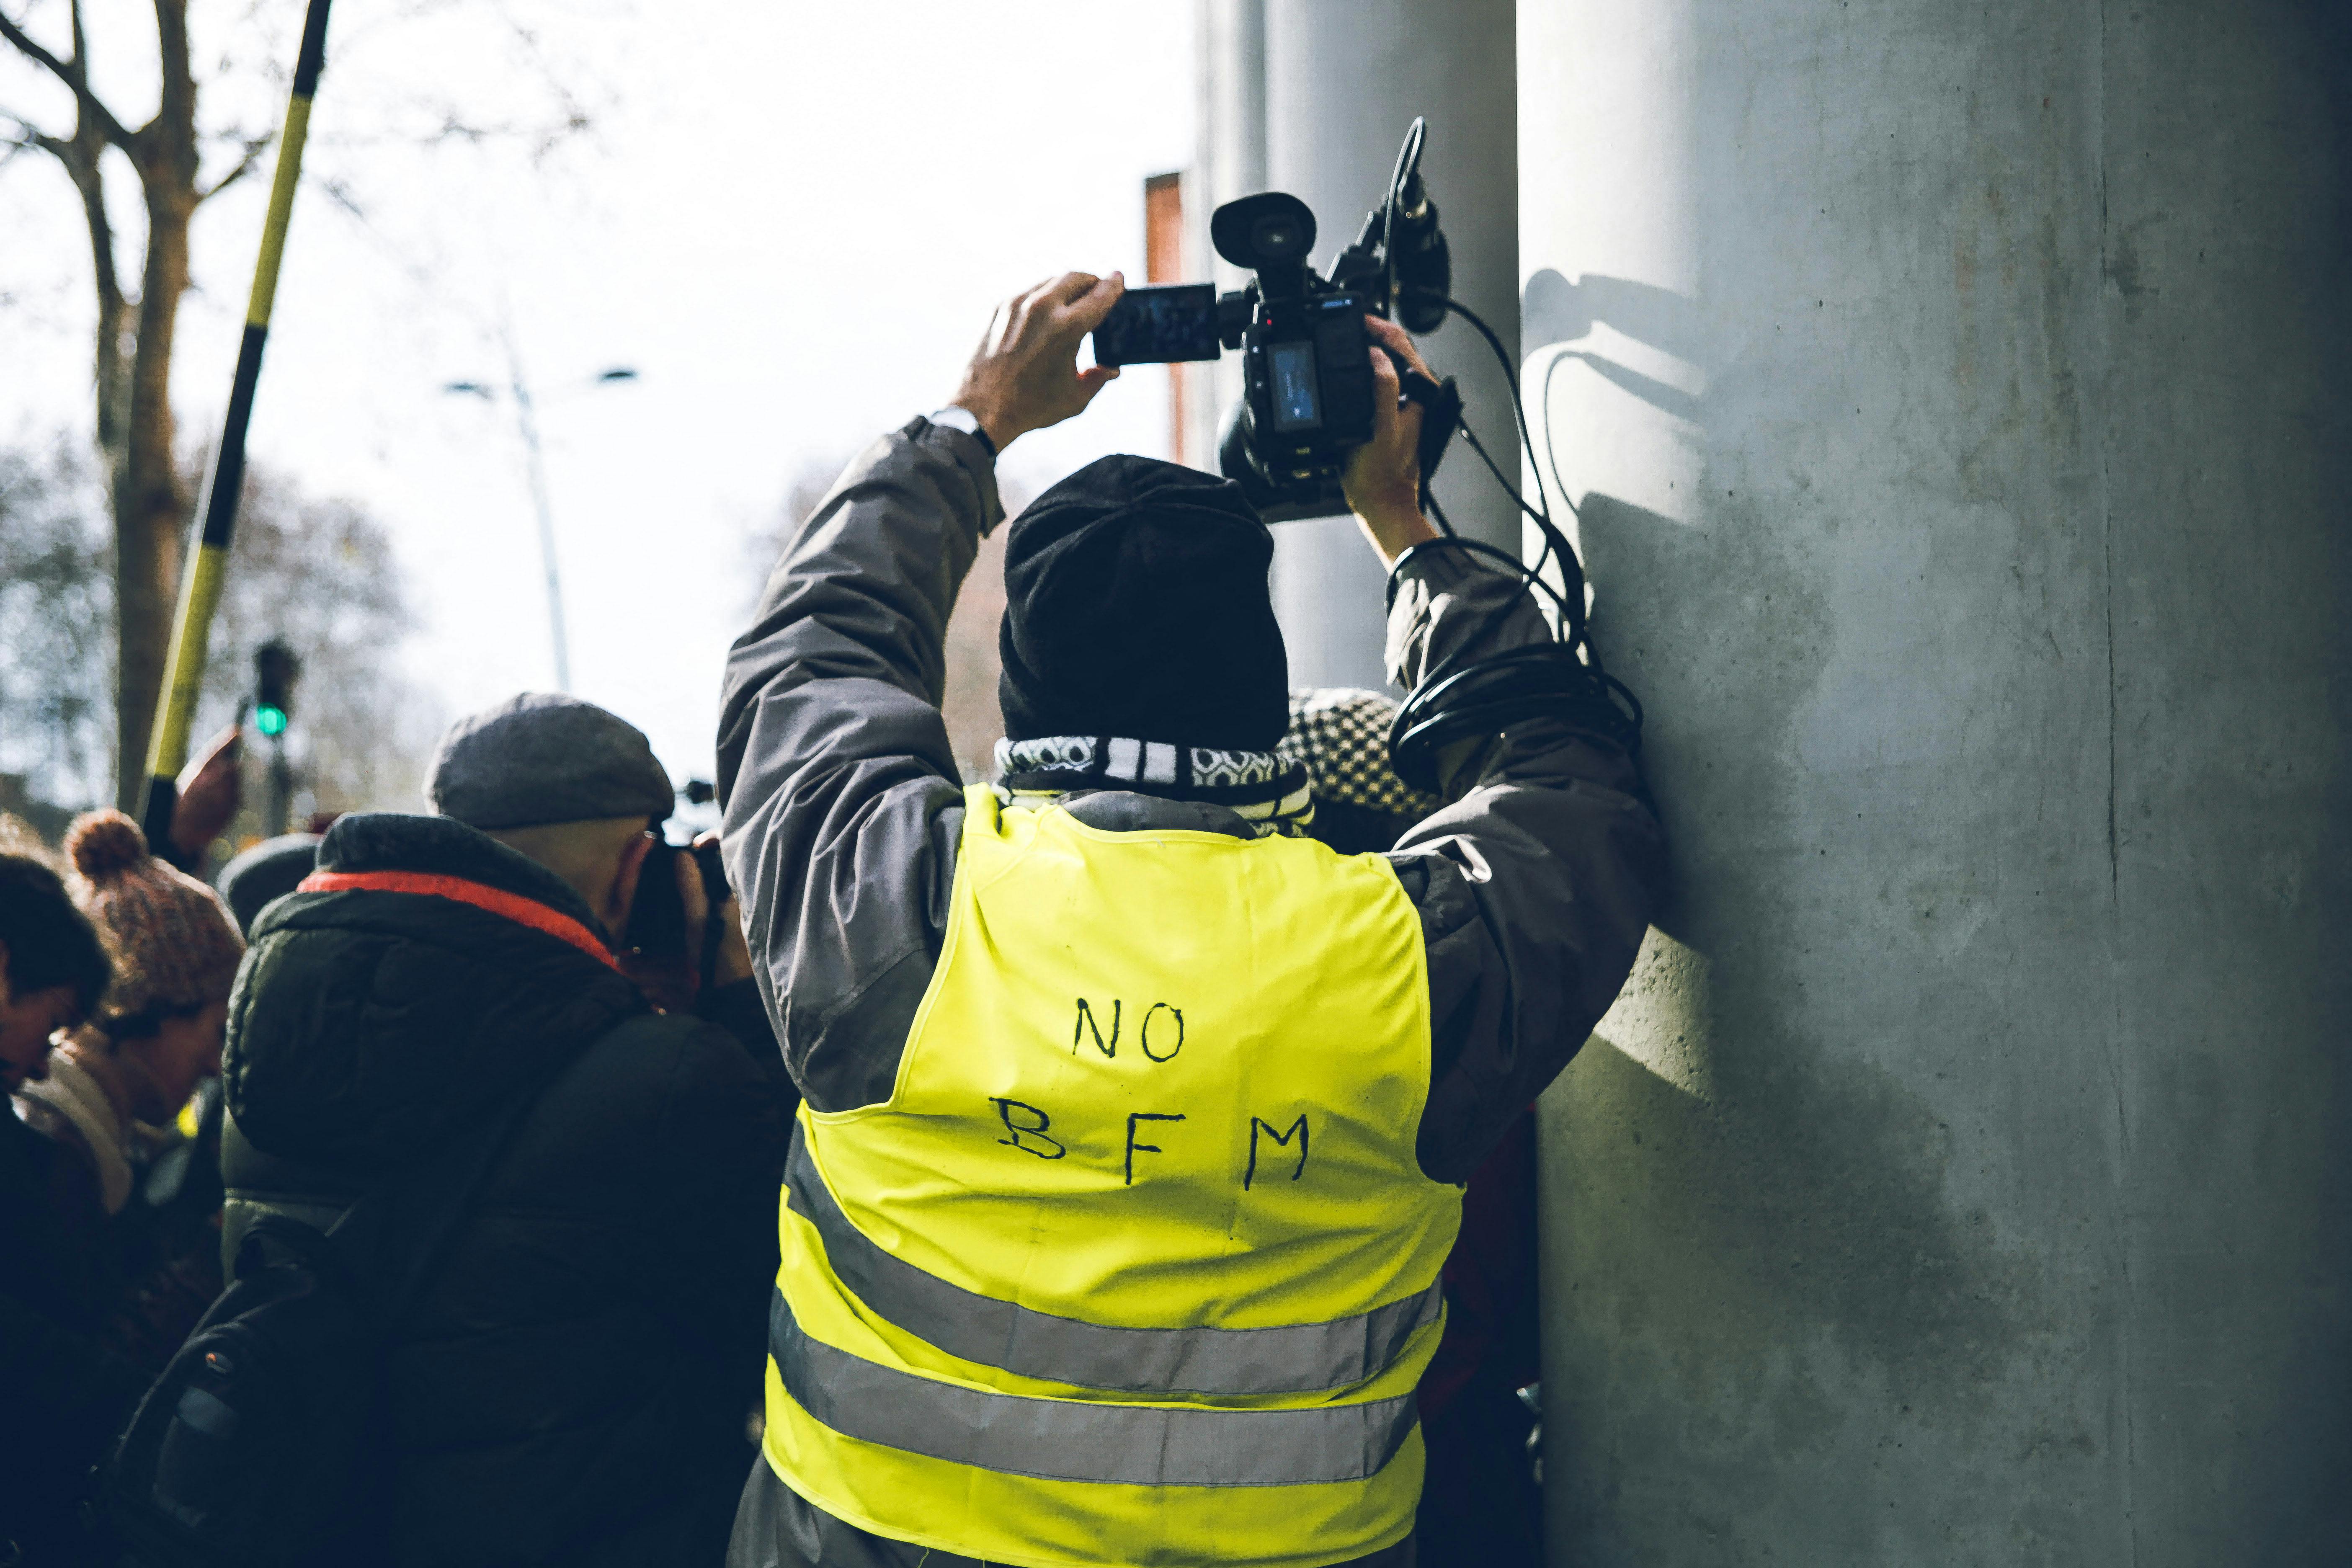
x,y
1134,1115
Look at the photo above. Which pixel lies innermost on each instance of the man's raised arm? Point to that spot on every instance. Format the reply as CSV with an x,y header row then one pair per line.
x,y
840,794
1537,880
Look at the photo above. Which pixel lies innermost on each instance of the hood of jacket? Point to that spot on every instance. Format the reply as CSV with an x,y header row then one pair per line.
x,y
428,974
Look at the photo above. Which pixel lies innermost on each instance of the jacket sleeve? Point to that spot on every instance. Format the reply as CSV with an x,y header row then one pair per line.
x,y
1534,884
841,798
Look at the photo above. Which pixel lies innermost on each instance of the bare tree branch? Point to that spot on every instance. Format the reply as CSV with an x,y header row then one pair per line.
x,y
133,342
575,117
70,75
248,161
80,39
29,134
30,138
176,105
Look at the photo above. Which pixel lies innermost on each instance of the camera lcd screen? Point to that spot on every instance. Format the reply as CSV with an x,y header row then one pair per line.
x,y
1298,404
1158,325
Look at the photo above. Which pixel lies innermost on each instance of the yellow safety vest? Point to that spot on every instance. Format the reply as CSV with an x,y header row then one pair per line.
x,y
1137,1264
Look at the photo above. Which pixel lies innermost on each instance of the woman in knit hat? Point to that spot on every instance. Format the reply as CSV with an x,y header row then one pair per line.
x,y
158,1029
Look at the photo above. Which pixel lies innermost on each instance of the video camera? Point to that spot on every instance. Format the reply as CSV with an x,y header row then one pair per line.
x,y
1308,401
1306,378
657,923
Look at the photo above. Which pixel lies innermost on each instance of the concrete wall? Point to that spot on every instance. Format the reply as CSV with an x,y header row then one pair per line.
x,y
1228,163
1342,78
1957,401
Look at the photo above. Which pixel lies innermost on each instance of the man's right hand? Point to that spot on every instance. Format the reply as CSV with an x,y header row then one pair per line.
x,y
1382,478
1025,375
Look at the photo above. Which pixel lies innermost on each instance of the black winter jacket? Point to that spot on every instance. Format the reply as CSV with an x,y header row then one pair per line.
x,y
574,1385
62,1394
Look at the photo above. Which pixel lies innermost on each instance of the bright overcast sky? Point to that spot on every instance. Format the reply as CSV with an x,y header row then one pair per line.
x,y
792,219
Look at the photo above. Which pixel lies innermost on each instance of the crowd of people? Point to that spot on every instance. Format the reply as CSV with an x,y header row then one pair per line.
x,y
115,974
819,1195
594,1342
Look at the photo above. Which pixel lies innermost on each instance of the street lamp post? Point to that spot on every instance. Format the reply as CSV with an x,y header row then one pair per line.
x,y
535,464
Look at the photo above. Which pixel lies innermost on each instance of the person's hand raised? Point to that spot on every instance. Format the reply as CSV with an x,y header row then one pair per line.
x,y
1025,376
1382,478
734,958
210,790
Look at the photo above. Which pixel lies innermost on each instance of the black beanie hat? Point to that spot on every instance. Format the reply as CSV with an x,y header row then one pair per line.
x,y
1135,605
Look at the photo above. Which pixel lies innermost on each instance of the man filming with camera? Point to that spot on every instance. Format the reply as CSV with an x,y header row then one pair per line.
x,y
1135,1115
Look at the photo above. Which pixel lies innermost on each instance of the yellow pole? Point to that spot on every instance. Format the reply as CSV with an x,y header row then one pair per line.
x,y
200,586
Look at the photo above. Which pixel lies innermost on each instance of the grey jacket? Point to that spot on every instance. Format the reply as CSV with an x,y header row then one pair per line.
x,y
843,811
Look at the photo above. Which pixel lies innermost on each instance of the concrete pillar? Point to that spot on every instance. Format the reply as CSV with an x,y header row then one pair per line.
x,y
1956,400
1342,80
1228,163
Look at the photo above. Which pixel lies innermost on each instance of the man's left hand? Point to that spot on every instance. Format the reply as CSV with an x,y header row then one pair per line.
x,y
1025,376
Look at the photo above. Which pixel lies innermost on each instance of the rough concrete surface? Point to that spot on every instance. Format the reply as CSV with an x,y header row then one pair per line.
x,y
1955,398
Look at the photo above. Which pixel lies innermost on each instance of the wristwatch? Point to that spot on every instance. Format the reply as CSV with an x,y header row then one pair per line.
x,y
955,416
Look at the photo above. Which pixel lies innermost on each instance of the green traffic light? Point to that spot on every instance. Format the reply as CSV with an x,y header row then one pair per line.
x,y
270,721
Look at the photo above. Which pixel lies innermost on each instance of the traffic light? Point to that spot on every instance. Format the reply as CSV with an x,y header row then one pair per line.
x,y
275,671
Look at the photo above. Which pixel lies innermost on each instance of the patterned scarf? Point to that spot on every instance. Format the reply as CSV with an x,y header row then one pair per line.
x,y
1266,789
1337,749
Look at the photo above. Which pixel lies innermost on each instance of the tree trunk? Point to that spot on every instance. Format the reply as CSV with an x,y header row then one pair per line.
x,y
151,495
111,370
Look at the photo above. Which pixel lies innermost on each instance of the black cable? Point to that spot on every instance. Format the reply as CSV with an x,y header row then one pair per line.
x,y
1561,680
1518,408
1408,163
1509,489
1541,680
1571,571
1525,574
1556,545
1569,607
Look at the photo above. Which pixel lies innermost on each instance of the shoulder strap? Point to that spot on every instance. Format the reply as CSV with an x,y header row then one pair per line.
x,y
395,1238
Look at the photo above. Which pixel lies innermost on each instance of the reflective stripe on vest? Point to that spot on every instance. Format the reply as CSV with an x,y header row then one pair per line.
x,y
1299,1358
1074,1440
1137,1262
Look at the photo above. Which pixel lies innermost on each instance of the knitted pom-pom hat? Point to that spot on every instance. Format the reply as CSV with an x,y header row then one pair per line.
x,y
174,945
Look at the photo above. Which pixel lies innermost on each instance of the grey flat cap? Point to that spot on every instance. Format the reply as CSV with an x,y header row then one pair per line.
x,y
267,870
545,757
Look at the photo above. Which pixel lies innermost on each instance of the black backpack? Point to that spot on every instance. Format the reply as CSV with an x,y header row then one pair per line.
x,y
265,1443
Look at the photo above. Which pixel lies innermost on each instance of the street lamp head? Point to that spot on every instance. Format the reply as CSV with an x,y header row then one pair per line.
x,y
619,372
475,387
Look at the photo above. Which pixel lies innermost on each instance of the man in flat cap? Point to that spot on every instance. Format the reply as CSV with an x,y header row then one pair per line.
x,y
573,1383
1114,1226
